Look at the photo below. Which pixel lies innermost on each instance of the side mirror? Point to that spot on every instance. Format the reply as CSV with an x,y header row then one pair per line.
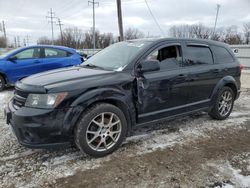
x,y
12,58
148,66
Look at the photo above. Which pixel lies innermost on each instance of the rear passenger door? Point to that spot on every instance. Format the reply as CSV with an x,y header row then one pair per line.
x,y
55,58
199,61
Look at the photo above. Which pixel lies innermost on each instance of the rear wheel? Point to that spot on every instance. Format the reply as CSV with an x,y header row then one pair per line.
x,y
101,130
2,83
224,104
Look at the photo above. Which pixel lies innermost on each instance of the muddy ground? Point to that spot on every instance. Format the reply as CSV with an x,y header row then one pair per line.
x,y
193,151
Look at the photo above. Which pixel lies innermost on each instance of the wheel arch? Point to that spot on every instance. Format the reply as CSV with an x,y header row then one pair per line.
x,y
87,100
4,77
228,81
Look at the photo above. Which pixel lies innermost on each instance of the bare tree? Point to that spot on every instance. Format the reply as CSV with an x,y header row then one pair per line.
x,y
105,40
3,42
102,39
181,31
232,36
44,40
191,31
76,38
133,33
246,30
73,37
200,31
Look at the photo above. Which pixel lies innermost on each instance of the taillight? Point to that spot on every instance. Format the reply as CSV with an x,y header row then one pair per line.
x,y
241,67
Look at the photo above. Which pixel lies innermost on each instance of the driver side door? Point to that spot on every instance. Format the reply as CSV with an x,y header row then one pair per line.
x,y
26,63
163,93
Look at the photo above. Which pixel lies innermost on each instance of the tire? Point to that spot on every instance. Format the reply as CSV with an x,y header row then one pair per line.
x,y
217,110
2,83
101,130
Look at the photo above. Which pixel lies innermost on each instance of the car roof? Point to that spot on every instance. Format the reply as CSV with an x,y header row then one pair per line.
x,y
157,40
51,46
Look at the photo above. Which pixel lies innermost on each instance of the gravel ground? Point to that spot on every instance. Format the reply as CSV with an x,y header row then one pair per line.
x,y
193,151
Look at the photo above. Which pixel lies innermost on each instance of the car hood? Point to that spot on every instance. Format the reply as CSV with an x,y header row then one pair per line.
x,y
63,77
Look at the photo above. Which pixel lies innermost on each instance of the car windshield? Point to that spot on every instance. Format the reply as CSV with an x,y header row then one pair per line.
x,y
116,56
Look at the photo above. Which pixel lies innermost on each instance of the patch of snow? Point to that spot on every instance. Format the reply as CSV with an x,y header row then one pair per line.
x,y
242,181
227,186
19,155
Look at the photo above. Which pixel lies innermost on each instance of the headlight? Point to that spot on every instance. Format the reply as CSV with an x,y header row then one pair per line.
x,y
45,100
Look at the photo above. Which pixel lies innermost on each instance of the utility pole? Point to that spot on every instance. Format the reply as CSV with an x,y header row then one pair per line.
x,y
27,40
51,17
93,4
18,41
15,41
60,26
119,14
216,18
24,42
4,32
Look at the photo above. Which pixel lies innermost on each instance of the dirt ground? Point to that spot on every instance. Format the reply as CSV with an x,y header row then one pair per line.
x,y
193,151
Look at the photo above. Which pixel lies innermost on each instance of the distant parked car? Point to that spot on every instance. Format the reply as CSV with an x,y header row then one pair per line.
x,y
83,55
23,62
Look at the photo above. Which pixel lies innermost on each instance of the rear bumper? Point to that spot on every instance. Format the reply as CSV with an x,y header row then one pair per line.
x,y
38,128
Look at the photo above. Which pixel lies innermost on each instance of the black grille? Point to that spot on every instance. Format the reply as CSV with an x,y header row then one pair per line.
x,y
19,98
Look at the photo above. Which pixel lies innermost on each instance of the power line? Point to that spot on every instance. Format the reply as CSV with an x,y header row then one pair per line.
x,y
52,17
93,4
156,22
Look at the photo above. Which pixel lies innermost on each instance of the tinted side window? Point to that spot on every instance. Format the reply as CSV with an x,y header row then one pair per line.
x,y
28,54
50,52
222,55
198,55
170,57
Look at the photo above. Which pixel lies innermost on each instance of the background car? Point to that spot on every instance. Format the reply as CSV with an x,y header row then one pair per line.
x,y
23,62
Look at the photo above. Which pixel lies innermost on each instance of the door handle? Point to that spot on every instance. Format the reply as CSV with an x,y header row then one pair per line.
x,y
215,70
182,76
36,61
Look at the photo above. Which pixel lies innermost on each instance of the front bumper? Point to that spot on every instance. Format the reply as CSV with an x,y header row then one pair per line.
x,y
38,128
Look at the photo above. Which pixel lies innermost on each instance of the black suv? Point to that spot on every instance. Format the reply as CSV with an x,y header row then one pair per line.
x,y
97,104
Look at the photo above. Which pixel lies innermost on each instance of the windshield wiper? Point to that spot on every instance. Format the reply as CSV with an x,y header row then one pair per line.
x,y
93,66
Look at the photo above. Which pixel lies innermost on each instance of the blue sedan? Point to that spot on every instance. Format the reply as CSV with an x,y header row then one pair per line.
x,y
23,62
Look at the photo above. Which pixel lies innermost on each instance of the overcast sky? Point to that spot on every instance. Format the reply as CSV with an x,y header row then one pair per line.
x,y
28,17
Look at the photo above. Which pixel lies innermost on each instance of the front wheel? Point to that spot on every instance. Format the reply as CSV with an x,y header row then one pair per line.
x,y
101,130
224,104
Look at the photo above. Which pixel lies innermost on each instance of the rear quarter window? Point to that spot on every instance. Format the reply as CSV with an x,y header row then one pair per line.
x,y
197,55
222,55
54,53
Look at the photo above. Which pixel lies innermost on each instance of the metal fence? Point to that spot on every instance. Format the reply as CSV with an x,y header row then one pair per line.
x,y
242,52
89,51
